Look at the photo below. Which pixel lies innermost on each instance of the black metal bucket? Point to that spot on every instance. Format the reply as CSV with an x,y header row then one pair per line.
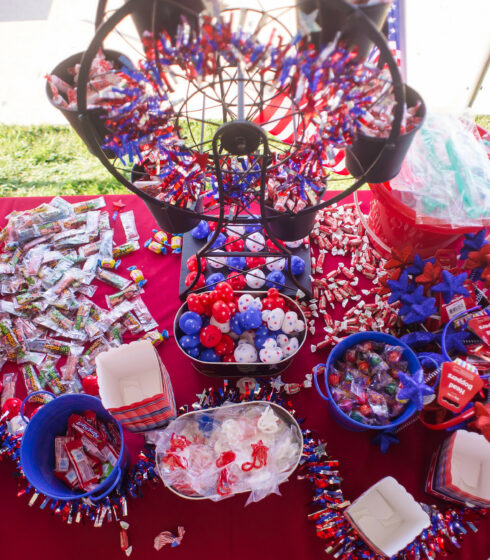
x,y
332,18
290,227
97,116
171,219
365,150
167,15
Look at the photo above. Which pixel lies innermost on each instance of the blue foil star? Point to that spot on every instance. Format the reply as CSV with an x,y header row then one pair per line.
x,y
473,242
399,287
418,265
416,306
384,440
414,388
451,285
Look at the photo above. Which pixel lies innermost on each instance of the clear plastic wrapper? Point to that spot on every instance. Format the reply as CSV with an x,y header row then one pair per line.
x,y
129,225
69,370
112,279
143,314
105,248
8,387
31,382
88,205
131,323
445,176
125,249
128,293
87,359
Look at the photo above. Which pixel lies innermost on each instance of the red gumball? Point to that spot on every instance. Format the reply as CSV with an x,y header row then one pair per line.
x,y
207,302
233,306
221,312
274,300
212,225
234,244
255,262
225,291
189,279
194,303
210,336
272,246
192,263
237,280
225,346
90,385
12,407
228,358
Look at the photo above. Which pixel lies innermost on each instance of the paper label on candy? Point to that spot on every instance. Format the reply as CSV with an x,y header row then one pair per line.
x,y
481,327
458,385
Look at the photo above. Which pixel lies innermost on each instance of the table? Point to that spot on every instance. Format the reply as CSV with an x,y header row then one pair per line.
x,y
275,528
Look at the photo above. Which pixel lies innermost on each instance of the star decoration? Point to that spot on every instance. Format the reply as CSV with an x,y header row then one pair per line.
x,y
427,359
414,388
400,287
319,450
418,265
416,306
482,422
454,340
478,259
277,383
485,276
307,23
117,207
451,285
201,160
383,287
473,242
384,440
418,339
430,275
400,258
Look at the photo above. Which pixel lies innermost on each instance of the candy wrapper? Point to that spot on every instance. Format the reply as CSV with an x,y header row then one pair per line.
x,y
216,453
445,177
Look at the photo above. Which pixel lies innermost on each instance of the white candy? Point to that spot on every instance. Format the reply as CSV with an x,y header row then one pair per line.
x,y
268,422
235,229
271,353
245,353
291,347
294,244
255,279
255,242
216,262
244,301
289,322
275,319
223,327
282,340
275,263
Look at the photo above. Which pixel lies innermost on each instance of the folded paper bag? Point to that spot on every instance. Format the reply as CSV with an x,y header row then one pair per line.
x,y
135,386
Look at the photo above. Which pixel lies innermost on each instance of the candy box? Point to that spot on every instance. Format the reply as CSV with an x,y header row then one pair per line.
x,y
387,517
217,453
237,369
135,386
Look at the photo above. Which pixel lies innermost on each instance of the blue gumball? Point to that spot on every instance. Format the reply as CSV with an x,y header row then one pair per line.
x,y
190,322
220,240
254,226
235,324
189,341
275,279
297,265
209,355
193,352
201,230
214,279
238,263
251,318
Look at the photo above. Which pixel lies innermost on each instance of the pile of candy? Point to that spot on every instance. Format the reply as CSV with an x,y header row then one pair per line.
x,y
216,453
221,327
365,384
87,454
160,242
51,256
244,271
103,79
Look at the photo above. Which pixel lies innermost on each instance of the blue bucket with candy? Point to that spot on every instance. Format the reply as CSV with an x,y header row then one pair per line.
x,y
37,451
338,352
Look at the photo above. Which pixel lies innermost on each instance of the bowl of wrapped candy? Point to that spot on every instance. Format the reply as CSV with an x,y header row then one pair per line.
x,y
363,381
231,334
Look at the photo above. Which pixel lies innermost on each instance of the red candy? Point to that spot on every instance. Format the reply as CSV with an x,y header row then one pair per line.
x,y
274,300
234,244
12,406
207,302
226,346
90,385
210,336
229,358
201,282
221,312
237,280
192,263
194,303
272,246
254,262
225,291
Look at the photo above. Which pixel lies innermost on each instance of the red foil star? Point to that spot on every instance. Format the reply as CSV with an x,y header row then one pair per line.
x,y
430,276
118,205
482,422
384,289
478,259
400,258
201,160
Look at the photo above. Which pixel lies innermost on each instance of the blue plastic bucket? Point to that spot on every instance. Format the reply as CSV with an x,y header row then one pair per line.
x,y
337,353
37,448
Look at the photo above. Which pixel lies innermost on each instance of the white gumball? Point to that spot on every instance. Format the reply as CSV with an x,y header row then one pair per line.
x,y
271,353
216,262
244,301
235,229
245,353
255,279
300,326
282,340
223,327
255,242
294,244
289,322
291,347
275,263
275,319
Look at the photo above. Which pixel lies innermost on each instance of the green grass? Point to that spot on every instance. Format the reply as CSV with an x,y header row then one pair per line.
x,y
52,160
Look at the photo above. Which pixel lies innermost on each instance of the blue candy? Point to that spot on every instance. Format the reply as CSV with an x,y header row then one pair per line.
x,y
190,322
193,352
235,324
214,278
201,230
220,240
209,355
251,318
236,262
297,265
275,279
189,341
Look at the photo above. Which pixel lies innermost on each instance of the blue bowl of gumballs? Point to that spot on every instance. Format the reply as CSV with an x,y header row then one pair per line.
x,y
228,333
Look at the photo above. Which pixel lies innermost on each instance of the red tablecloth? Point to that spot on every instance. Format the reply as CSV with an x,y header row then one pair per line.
x,y
275,528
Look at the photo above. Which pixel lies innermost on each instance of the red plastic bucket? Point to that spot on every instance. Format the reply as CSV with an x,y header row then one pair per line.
x,y
394,224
